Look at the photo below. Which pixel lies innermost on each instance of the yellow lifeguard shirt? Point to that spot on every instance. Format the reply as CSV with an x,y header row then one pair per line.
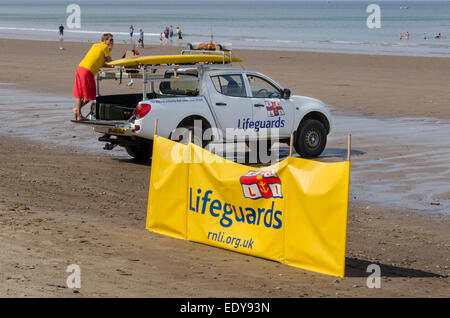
x,y
96,57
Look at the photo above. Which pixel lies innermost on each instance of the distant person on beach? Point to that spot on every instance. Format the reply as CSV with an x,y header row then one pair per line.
x,y
61,32
84,89
407,35
424,36
131,33
401,36
166,34
141,38
180,37
171,33
438,36
160,38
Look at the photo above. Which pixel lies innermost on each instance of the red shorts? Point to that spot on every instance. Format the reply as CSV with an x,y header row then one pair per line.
x,y
84,86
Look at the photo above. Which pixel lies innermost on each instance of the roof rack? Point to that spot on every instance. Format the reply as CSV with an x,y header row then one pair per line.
x,y
223,53
147,72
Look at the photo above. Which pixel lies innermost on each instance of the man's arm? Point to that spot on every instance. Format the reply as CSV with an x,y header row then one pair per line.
x,y
108,59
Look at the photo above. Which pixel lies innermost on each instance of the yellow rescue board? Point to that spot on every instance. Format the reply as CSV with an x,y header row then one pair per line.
x,y
173,59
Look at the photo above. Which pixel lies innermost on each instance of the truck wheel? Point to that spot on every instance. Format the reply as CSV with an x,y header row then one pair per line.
x,y
198,140
311,138
140,152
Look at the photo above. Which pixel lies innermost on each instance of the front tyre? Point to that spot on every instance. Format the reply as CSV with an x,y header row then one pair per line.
x,y
311,138
141,152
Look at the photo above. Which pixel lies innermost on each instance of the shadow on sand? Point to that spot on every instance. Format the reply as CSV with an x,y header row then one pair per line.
x,y
338,153
357,268
135,161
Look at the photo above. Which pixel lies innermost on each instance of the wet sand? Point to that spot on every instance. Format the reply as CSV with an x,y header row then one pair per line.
x,y
404,165
62,205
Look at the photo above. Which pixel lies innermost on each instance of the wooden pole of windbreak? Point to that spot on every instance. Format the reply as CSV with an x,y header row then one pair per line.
x,y
349,147
291,145
155,132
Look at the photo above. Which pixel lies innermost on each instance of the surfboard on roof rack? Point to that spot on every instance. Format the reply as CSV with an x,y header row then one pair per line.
x,y
175,59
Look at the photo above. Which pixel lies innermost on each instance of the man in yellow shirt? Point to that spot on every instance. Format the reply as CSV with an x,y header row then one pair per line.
x,y
84,88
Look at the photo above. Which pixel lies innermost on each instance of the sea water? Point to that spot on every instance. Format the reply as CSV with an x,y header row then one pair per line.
x,y
321,25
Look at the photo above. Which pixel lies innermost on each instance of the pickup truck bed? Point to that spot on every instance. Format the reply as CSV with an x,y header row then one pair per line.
x,y
117,107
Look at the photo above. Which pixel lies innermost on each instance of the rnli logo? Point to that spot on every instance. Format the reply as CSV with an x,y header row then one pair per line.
x,y
274,109
261,184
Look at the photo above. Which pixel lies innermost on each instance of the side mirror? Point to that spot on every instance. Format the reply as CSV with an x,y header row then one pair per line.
x,y
286,93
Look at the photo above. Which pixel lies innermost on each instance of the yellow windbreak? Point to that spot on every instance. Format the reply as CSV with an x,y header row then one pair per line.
x,y
293,212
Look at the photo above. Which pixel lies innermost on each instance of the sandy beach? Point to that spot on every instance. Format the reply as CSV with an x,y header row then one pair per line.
x,y
60,205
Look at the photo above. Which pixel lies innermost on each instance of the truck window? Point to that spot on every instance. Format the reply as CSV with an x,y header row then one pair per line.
x,y
262,88
230,85
187,88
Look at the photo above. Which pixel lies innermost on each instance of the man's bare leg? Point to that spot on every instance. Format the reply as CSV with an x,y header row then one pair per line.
x,y
77,110
79,103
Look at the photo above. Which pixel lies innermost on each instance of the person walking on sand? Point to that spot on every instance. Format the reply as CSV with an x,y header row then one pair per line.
x,y
407,35
84,89
166,34
131,33
401,36
141,38
180,37
160,38
61,32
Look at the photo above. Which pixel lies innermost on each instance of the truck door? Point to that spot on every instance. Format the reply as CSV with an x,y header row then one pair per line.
x,y
269,109
230,101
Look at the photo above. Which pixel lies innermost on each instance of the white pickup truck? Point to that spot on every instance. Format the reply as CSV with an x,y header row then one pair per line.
x,y
220,99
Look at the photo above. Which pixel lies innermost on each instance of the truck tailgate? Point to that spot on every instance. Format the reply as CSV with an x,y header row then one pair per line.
x,y
117,127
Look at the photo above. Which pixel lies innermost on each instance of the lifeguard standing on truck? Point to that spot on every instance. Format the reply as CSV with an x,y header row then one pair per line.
x,y
84,88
